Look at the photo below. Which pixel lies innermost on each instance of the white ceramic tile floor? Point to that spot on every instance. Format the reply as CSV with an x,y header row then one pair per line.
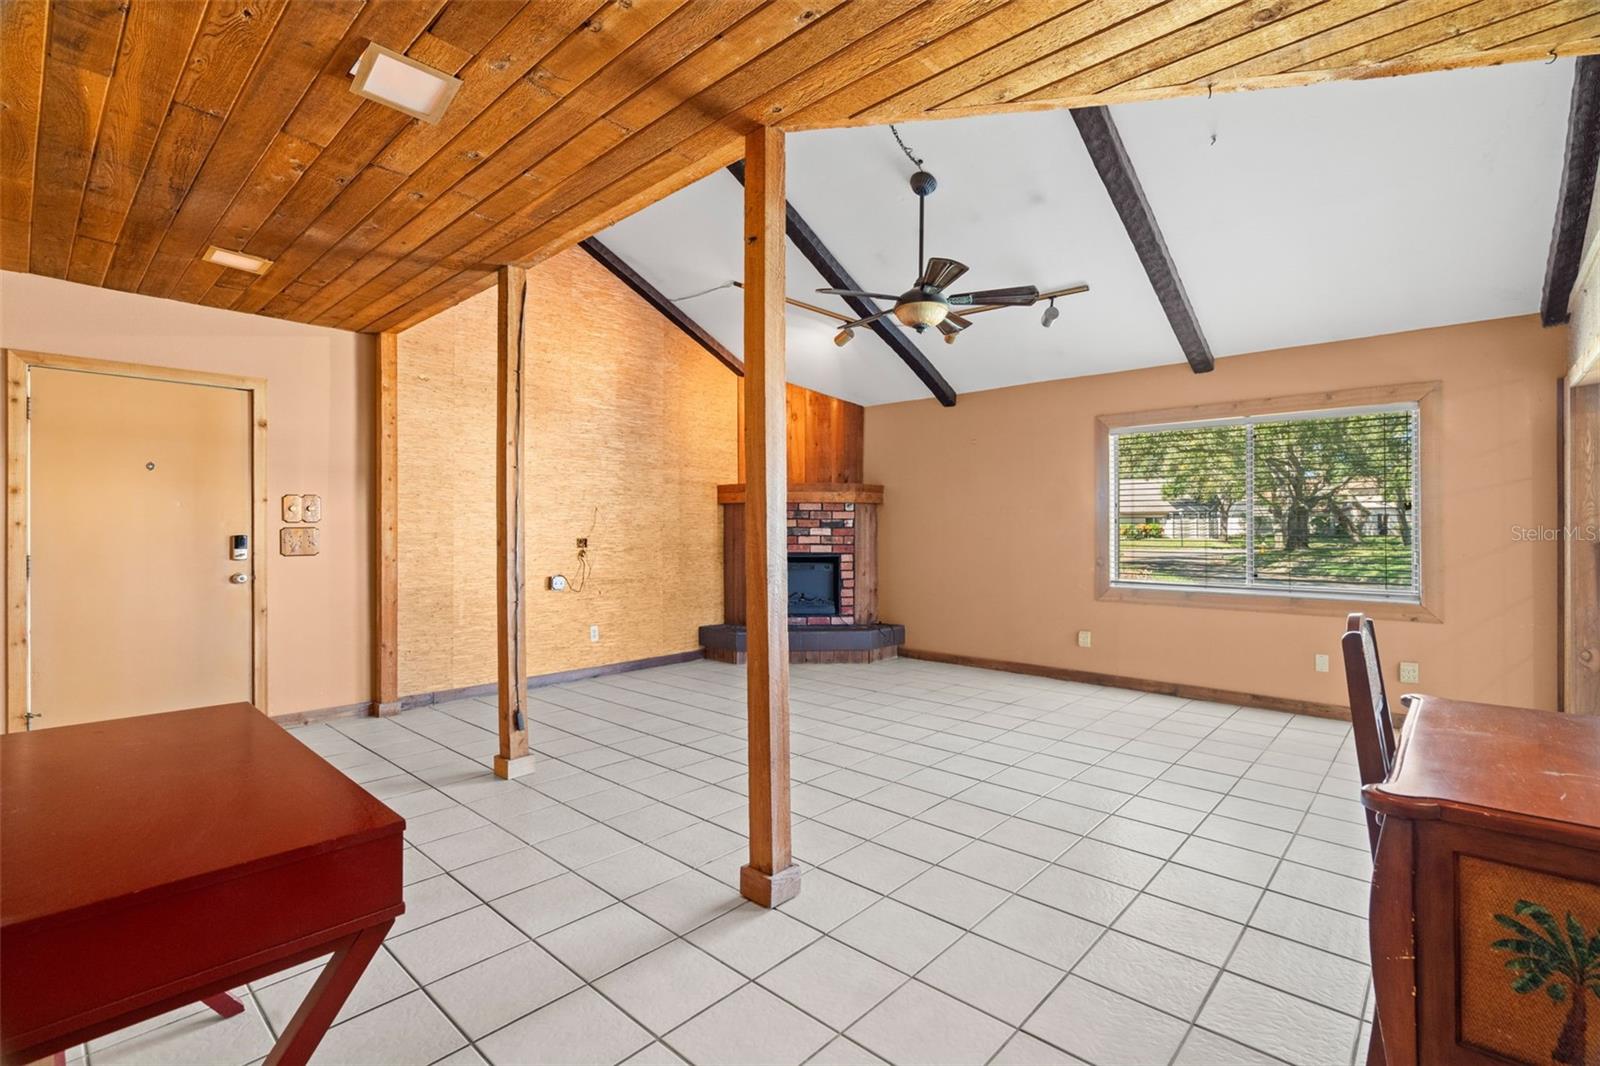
x,y
998,869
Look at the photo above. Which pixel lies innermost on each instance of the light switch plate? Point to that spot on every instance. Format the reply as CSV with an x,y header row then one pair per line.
x,y
1085,638
299,540
311,508
293,506
1322,664
1410,673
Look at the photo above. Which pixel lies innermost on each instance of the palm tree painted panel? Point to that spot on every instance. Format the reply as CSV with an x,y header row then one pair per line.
x,y
1529,946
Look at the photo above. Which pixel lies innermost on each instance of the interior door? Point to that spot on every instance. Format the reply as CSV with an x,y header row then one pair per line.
x,y
135,489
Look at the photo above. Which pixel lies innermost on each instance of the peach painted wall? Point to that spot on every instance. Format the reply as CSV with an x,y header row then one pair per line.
x,y
996,497
319,403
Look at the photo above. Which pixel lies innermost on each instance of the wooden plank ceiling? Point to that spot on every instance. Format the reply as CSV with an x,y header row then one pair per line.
x,y
135,133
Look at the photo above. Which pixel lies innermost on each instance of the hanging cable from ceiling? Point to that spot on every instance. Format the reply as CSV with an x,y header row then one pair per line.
x,y
704,292
901,142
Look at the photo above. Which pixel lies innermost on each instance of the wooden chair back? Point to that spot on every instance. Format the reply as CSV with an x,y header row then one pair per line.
x,y
1369,708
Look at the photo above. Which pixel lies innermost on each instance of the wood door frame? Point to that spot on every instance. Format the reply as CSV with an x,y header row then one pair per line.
x,y
18,364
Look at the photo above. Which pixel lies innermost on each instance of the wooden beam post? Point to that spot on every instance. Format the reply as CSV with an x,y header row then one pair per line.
x,y
386,521
1580,688
771,878
513,759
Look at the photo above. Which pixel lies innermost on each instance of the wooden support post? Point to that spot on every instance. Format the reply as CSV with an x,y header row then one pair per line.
x,y
771,878
386,520
511,626
1580,688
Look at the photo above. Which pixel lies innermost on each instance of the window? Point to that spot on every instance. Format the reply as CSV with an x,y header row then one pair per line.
x,y
1314,504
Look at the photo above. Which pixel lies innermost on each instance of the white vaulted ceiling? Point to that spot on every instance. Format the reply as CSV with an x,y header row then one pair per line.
x,y
1294,216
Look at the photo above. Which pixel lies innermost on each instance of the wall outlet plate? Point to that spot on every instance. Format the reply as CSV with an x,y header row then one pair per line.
x,y
583,542
594,634
1322,664
557,583
1410,673
1085,638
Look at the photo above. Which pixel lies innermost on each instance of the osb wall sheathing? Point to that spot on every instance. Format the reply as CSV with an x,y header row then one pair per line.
x,y
630,427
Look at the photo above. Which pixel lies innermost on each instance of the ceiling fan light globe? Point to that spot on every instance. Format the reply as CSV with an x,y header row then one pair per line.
x,y
921,313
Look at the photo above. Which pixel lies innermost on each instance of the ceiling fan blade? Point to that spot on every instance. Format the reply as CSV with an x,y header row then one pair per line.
x,y
858,292
941,273
1053,294
952,324
1016,296
868,320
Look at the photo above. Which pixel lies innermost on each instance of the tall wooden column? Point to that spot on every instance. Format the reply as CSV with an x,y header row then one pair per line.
x,y
771,878
1581,551
513,759
386,523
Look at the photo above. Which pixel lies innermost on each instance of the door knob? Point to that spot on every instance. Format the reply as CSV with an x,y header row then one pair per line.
x,y
239,579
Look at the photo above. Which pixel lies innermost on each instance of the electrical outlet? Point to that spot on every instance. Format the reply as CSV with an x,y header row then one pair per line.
x,y
1410,673
1085,638
594,634
558,583
1322,664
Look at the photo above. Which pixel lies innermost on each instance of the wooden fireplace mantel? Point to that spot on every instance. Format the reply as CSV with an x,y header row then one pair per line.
x,y
834,493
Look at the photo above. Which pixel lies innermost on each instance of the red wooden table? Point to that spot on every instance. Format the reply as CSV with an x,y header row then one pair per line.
x,y
151,862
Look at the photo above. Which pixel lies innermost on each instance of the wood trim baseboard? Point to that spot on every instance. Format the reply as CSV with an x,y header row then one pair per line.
x,y
423,699
1139,684
557,677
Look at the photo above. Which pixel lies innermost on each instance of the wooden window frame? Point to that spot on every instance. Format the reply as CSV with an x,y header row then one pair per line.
x,y
18,364
1426,395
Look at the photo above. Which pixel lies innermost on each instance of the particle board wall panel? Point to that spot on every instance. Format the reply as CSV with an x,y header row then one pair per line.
x,y
631,426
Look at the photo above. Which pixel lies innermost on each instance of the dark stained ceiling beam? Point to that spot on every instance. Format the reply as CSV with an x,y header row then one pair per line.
x,y
833,272
1577,192
653,296
1122,184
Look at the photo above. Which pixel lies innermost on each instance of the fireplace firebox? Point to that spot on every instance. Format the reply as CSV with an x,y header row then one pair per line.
x,y
813,585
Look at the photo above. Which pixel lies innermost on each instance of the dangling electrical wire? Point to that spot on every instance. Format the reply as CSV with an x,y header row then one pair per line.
x,y
704,292
901,142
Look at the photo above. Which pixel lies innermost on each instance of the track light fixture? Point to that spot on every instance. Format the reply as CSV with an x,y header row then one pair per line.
x,y
843,337
1051,313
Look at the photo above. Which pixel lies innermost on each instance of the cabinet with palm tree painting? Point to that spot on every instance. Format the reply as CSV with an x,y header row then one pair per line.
x,y
1485,918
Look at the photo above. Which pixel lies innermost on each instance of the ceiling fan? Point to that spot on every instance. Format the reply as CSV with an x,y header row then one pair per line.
x,y
928,302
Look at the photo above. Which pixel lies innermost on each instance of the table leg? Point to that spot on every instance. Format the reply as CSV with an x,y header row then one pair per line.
x,y
224,1004
305,1030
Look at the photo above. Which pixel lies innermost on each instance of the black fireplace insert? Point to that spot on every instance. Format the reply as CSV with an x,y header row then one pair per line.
x,y
813,585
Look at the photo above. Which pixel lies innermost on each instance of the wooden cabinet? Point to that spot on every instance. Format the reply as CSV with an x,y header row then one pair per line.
x,y
1485,920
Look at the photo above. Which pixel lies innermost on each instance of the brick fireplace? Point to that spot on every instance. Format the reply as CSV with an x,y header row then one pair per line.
x,y
826,531
827,524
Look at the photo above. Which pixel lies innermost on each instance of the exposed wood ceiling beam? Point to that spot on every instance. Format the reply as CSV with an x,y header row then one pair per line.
x,y
1122,184
1577,192
833,272
654,297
